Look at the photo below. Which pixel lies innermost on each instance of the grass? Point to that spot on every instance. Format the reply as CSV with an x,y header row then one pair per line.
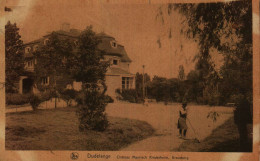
x,y
57,129
225,138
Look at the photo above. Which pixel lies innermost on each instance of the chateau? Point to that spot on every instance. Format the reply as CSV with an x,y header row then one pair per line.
x,y
117,76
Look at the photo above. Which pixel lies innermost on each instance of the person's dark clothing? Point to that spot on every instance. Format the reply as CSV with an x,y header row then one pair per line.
x,y
243,117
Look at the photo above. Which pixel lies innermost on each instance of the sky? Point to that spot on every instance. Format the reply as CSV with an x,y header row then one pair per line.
x,y
133,25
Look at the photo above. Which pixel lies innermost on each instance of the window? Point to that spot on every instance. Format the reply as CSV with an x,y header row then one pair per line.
x,y
27,49
45,80
115,62
113,44
30,63
127,82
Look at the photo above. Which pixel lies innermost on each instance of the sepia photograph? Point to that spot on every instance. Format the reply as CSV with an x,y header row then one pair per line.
x,y
155,77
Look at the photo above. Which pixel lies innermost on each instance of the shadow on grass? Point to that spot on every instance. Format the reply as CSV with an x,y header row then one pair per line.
x,y
225,138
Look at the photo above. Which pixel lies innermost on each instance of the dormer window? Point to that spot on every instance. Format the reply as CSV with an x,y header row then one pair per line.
x,y
27,49
115,61
113,44
46,41
35,47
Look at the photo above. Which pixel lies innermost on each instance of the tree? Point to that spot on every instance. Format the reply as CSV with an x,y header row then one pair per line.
x,y
14,64
86,66
139,83
227,27
51,62
159,89
181,73
195,86
68,95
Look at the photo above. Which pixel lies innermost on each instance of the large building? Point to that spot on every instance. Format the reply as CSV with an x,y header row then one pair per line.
x,y
118,75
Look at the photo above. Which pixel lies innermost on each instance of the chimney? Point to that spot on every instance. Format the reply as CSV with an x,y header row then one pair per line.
x,y
65,27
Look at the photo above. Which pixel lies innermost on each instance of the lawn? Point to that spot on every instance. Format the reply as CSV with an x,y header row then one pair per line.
x,y
225,138
57,129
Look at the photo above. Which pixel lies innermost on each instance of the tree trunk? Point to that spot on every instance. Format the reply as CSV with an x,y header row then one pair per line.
x,y
55,89
55,102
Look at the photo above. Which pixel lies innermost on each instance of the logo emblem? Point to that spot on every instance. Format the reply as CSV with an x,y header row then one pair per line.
x,y
74,155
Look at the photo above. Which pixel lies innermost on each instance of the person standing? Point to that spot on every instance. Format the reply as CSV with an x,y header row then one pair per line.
x,y
243,118
182,126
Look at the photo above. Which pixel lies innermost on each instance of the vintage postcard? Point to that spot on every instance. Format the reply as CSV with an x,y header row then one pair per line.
x,y
129,80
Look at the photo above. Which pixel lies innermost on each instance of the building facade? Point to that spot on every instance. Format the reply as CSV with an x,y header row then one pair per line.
x,y
117,76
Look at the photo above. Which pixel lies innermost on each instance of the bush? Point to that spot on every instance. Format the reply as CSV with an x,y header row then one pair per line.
x,y
108,99
46,96
200,100
35,101
236,98
214,99
17,99
128,95
91,114
68,95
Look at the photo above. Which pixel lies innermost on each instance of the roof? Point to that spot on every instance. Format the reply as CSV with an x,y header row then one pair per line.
x,y
117,71
105,44
102,34
73,33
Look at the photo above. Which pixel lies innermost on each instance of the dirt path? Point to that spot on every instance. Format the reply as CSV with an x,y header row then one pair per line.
x,y
164,120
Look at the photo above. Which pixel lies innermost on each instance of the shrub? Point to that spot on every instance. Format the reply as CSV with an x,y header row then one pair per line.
x,y
200,100
45,96
236,98
35,101
91,114
128,95
214,99
108,99
68,95
17,99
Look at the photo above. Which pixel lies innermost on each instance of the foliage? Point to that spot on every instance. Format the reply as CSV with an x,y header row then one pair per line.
x,y
52,64
226,28
17,99
53,57
47,95
84,66
91,113
68,95
139,83
108,99
161,89
128,95
181,73
236,98
14,59
35,101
